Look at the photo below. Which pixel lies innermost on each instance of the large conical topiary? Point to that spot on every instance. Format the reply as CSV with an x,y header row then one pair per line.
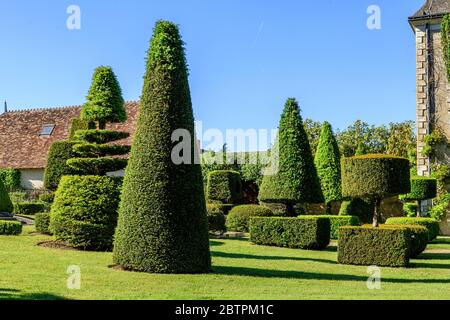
x,y
328,165
162,225
295,178
104,100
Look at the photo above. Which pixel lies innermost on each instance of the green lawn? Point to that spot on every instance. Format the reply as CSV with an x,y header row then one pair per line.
x,y
241,271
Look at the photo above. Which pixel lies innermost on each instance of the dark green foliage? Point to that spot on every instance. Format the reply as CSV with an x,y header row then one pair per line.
x,y
361,208
295,180
91,150
5,202
84,212
18,196
410,209
10,179
238,217
58,155
422,188
375,175
162,224
42,222
339,221
303,232
29,208
445,36
224,186
216,218
418,236
100,136
96,166
382,246
431,224
48,196
10,228
328,164
104,100
78,124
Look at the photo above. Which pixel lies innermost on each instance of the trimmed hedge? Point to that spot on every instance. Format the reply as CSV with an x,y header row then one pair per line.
x,y
381,246
10,228
238,218
5,201
431,224
361,208
59,153
30,208
79,124
84,213
224,186
99,150
47,197
97,166
11,179
339,221
422,188
375,175
42,222
216,218
100,136
303,232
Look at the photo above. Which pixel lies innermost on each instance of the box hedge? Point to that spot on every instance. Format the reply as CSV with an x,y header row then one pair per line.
x,y
431,224
10,228
238,217
30,208
303,232
381,246
339,221
216,218
42,222
224,186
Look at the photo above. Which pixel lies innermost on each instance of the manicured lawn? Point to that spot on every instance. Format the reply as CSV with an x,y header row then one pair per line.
x,y
241,271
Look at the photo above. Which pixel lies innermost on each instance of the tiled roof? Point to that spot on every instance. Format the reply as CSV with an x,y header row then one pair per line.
x,y
433,8
21,145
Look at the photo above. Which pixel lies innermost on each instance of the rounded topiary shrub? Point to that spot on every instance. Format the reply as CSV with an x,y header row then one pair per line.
x,y
216,218
42,222
224,186
84,212
375,176
238,218
361,208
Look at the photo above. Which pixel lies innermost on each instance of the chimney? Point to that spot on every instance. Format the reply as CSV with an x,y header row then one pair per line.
x,y
6,107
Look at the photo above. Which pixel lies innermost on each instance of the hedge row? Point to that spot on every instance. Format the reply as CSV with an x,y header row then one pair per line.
x,y
339,221
42,222
10,228
30,208
303,232
381,246
431,224
239,216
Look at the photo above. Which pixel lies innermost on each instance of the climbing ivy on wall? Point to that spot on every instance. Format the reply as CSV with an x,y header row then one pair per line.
x,y
446,42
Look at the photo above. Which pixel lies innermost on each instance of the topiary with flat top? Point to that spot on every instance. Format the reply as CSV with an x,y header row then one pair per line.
x,y
163,227
422,188
294,179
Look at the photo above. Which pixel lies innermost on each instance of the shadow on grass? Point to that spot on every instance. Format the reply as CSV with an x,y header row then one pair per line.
x,y
441,241
434,256
230,255
213,243
13,294
267,273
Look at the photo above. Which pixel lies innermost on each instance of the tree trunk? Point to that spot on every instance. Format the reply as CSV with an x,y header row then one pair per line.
x,y
419,209
328,208
376,213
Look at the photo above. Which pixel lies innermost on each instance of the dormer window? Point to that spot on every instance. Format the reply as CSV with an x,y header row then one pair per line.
x,y
47,130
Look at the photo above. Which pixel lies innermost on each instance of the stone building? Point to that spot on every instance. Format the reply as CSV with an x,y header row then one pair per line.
x,y
433,89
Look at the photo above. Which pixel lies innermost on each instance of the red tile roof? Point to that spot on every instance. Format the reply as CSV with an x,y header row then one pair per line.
x,y
21,146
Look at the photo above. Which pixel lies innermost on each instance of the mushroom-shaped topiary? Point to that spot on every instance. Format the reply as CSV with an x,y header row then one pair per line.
x,y
422,188
375,176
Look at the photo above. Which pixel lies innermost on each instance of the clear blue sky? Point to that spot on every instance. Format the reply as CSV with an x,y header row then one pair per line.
x,y
245,57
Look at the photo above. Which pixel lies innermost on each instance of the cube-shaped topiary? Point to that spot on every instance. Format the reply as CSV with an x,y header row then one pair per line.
x,y
422,188
239,216
224,186
375,176
304,232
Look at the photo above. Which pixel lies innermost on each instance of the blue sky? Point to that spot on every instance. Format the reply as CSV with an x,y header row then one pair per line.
x,y
245,57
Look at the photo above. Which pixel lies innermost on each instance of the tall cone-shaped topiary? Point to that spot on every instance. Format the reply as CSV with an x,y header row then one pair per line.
x,y
104,100
84,212
295,180
162,225
328,165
